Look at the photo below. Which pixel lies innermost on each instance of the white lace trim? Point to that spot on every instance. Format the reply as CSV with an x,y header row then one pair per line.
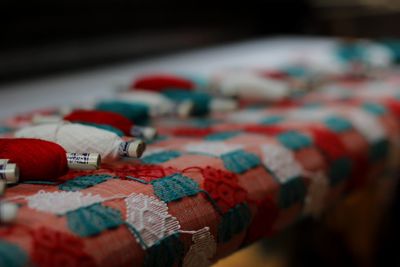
x,y
204,248
367,125
318,189
281,162
210,147
61,202
150,218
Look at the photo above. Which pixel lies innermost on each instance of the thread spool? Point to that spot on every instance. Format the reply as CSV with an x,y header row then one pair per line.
x,y
248,85
160,82
9,172
112,119
34,159
79,138
159,105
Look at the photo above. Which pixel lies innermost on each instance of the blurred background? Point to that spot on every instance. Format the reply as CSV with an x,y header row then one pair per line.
x,y
45,37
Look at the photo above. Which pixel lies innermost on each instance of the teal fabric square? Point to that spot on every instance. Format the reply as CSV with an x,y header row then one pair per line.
x,y
379,150
271,120
221,136
93,220
240,161
233,222
338,124
340,169
82,182
291,192
165,252
294,140
374,109
4,129
12,255
175,187
136,112
161,157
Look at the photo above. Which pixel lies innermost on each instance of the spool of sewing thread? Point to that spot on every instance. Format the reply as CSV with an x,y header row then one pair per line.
x,y
159,105
160,82
79,138
34,159
9,172
252,86
100,118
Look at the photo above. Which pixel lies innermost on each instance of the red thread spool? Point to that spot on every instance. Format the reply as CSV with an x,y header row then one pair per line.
x,y
36,159
101,117
160,82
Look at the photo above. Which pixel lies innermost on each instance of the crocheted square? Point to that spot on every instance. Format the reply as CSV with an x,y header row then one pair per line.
x,y
374,108
223,187
292,192
379,150
338,124
203,249
339,170
61,202
213,148
161,156
175,187
280,162
274,119
82,182
233,222
165,252
294,140
12,255
150,219
240,161
93,220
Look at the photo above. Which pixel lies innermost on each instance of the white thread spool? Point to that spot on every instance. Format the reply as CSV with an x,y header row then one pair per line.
x,y
9,172
148,133
159,104
247,85
78,138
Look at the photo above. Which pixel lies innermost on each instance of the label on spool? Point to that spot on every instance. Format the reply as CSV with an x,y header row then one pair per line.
x,y
132,149
83,161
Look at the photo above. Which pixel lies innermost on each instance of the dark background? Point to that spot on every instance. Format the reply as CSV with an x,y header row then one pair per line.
x,y
46,36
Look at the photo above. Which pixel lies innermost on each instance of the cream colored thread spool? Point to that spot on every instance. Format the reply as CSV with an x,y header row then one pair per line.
x,y
249,85
83,161
147,133
132,149
9,172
